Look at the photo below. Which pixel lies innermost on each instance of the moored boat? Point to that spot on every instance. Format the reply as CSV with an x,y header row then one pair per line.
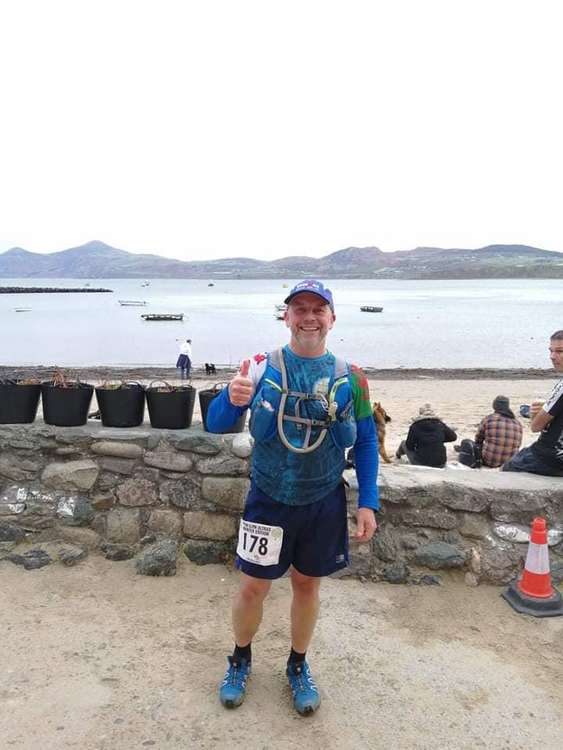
x,y
163,316
371,308
132,302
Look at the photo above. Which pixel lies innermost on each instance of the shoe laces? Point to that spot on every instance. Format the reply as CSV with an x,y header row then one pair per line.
x,y
237,672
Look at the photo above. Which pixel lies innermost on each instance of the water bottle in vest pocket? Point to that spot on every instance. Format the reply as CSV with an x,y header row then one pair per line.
x,y
344,430
264,410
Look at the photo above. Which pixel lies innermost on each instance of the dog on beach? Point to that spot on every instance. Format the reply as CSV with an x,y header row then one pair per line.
x,y
210,368
380,417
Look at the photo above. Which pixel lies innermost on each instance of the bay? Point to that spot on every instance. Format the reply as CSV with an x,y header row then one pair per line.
x,y
502,323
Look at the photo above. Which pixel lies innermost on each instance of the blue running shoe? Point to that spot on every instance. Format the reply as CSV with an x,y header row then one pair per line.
x,y
306,698
233,686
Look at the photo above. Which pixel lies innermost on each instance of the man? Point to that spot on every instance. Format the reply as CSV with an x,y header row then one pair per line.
x,y
184,363
427,434
307,406
499,435
545,456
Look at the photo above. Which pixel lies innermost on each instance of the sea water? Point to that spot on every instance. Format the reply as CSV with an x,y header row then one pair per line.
x,y
471,323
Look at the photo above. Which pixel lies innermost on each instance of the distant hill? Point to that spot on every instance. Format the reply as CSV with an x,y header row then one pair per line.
x,y
98,260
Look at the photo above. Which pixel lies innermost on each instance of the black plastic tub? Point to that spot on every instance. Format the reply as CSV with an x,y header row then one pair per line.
x,y
206,397
18,402
123,406
66,407
171,409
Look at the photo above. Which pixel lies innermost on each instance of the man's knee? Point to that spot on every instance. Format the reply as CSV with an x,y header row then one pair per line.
x,y
253,590
304,586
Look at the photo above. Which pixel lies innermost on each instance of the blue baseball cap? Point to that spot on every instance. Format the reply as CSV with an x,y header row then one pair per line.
x,y
313,287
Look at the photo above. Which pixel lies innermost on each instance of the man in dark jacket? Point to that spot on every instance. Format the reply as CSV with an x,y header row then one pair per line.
x,y
424,445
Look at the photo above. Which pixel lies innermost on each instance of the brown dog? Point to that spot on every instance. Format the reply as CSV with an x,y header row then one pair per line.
x,y
381,418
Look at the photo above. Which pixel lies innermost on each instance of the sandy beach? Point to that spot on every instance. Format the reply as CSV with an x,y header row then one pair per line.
x,y
460,397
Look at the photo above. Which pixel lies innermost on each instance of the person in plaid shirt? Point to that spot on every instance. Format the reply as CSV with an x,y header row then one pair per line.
x,y
499,435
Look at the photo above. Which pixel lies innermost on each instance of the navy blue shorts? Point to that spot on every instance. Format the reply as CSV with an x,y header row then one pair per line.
x,y
315,536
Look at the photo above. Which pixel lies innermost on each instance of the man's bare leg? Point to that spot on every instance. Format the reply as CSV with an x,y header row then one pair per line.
x,y
304,609
248,608
304,613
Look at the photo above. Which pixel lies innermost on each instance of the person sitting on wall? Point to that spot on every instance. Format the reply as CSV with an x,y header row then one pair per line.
x,y
499,435
424,445
545,456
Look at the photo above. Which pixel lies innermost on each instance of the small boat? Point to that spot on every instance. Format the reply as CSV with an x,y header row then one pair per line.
x,y
279,311
22,309
146,283
132,302
371,308
163,316
211,284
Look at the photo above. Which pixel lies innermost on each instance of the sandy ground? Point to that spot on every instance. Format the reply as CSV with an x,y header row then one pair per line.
x,y
98,658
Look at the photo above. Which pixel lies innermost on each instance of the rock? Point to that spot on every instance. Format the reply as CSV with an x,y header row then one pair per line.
x,y
471,579
13,500
242,445
158,559
137,492
204,443
206,553
500,561
168,460
223,465
184,493
557,573
107,481
437,518
118,552
396,573
6,547
103,500
437,555
384,546
210,526
31,560
117,449
72,475
474,526
18,469
70,555
123,525
118,465
78,535
427,580
148,539
9,532
165,522
227,493
75,510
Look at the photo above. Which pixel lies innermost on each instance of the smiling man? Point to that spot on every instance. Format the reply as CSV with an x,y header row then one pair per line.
x,y
545,456
307,406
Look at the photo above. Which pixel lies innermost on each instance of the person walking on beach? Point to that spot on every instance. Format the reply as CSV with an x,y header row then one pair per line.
x,y
545,456
184,363
306,406
424,445
499,434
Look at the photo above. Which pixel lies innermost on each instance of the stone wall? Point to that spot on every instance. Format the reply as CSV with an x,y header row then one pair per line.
x,y
142,492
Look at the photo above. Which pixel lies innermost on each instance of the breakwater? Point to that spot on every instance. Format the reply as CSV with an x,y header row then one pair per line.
x,y
49,290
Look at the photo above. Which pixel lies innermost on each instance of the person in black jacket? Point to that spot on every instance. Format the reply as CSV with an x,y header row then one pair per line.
x,y
424,445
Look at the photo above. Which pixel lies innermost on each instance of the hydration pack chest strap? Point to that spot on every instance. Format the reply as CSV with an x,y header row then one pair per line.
x,y
341,375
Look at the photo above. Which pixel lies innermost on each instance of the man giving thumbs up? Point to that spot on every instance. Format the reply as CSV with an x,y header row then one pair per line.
x,y
307,406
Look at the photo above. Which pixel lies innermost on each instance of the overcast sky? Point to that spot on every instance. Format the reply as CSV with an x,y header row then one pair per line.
x,y
246,127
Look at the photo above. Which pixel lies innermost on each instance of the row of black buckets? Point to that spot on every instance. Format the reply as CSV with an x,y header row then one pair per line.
x,y
169,407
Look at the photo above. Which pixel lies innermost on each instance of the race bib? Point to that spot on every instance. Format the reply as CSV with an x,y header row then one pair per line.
x,y
259,544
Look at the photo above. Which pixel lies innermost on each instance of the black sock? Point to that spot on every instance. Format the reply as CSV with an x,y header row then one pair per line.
x,y
295,657
242,652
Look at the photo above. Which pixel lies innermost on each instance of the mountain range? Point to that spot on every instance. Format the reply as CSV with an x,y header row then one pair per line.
x,y
97,260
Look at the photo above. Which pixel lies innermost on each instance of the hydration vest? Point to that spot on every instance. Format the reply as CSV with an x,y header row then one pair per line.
x,y
300,437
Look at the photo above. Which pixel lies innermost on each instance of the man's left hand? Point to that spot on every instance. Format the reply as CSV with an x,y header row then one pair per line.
x,y
366,524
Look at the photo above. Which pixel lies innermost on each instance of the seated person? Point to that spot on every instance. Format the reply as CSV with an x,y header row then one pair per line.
x,y
499,435
545,456
424,445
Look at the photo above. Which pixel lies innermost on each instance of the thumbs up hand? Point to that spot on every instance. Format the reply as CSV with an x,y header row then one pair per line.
x,y
241,387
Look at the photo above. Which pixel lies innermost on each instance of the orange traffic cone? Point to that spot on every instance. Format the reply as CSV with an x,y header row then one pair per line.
x,y
533,593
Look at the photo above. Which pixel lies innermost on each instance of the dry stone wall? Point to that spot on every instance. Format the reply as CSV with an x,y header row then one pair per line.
x,y
154,494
